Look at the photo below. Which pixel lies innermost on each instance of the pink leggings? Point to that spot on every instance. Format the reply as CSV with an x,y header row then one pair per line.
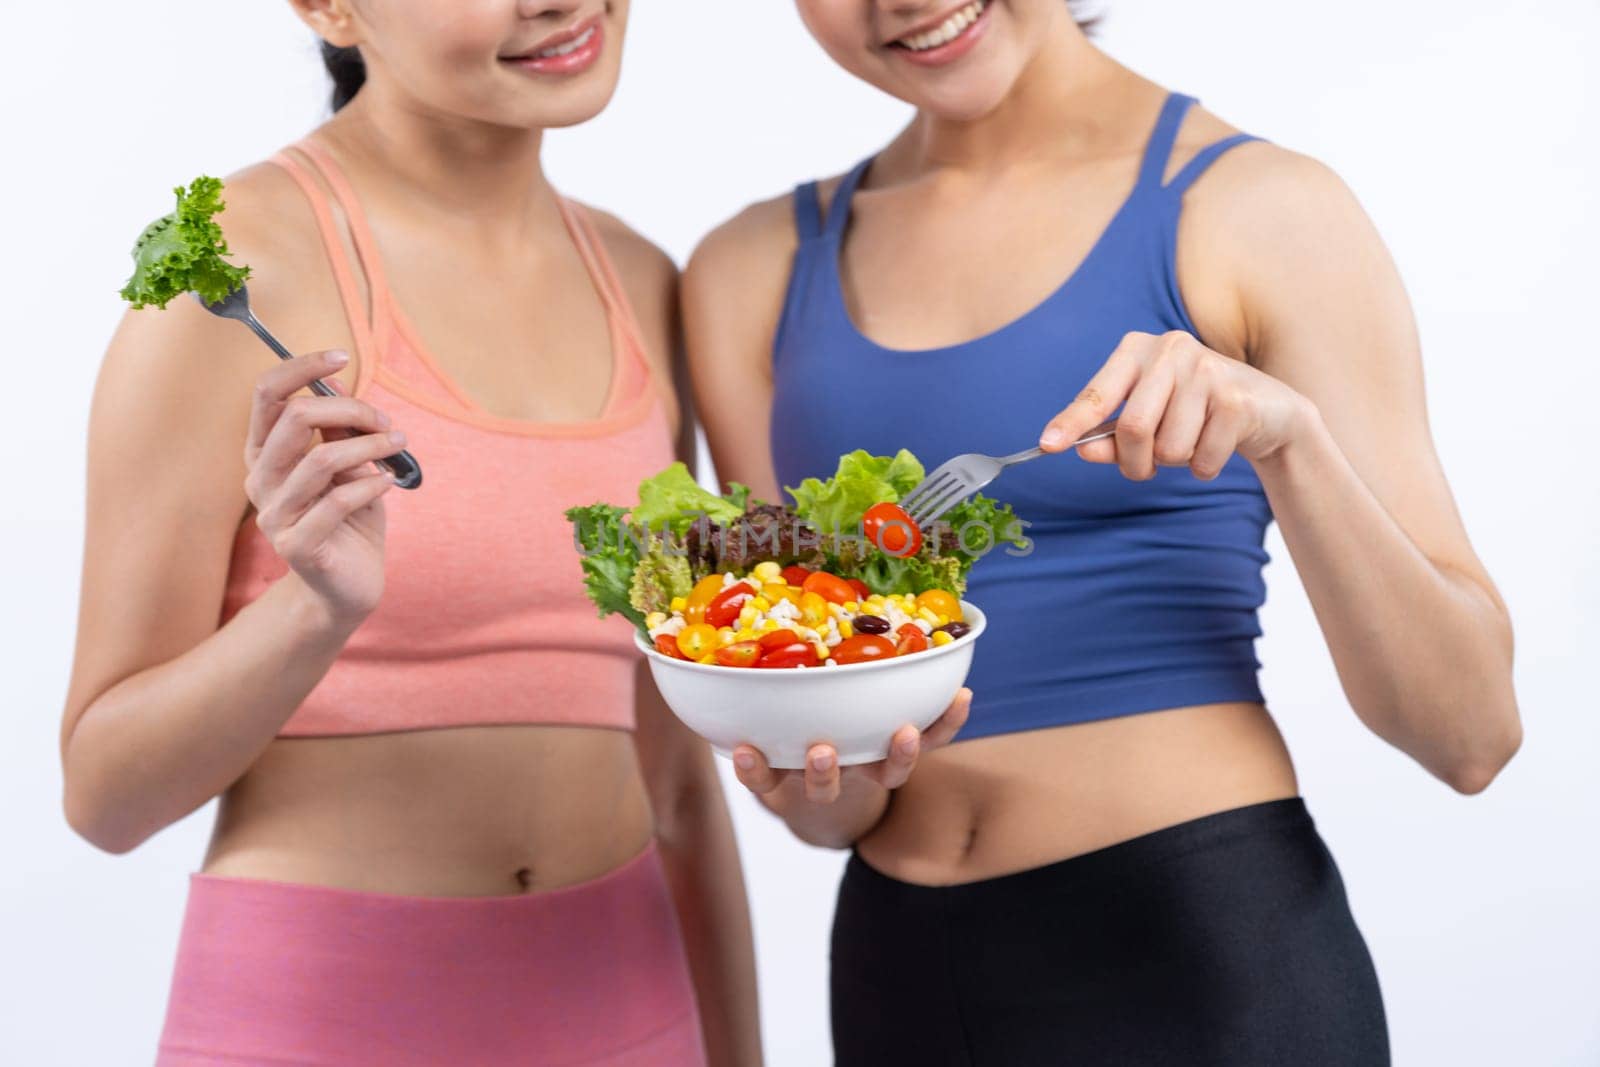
x,y
273,973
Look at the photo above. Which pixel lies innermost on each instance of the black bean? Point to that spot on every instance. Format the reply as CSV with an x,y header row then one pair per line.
x,y
871,624
954,629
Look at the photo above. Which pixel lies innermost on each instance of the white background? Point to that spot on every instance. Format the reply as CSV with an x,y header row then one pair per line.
x,y
1466,128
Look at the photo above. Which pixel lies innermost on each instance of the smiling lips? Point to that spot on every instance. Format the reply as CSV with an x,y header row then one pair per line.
x,y
569,52
947,41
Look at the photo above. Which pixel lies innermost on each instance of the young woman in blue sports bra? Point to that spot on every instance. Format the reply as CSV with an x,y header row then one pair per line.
x,y
1111,864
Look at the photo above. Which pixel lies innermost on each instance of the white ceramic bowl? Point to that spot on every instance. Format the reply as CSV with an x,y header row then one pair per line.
x,y
855,706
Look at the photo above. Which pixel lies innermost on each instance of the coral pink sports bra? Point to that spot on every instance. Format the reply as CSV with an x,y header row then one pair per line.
x,y
483,618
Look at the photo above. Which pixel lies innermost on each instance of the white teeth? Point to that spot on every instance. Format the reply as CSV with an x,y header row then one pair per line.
x,y
946,31
566,49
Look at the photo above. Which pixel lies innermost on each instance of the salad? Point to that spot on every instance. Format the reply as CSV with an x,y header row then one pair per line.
x,y
182,252
843,575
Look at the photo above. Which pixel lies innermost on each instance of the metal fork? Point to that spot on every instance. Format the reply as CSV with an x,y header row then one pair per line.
x,y
956,479
236,306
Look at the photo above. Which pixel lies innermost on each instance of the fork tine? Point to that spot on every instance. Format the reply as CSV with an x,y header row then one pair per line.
x,y
935,482
941,504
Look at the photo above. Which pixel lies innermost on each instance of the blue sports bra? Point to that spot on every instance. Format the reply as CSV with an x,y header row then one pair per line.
x,y
1135,596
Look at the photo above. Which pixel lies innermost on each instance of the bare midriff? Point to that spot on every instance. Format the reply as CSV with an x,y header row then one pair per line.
x,y
996,805
467,811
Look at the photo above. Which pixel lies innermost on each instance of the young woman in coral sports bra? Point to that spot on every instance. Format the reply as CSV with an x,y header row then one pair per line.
x,y
457,825
1111,863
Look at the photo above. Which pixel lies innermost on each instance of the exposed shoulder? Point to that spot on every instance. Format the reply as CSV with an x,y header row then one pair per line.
x,y
749,251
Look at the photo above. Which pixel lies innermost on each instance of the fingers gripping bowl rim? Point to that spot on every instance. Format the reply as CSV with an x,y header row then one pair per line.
x,y
856,707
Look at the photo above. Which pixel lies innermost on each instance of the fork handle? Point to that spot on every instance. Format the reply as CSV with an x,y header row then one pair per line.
x,y
1105,429
403,465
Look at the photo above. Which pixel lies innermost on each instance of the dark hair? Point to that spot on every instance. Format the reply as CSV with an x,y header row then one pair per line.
x,y
348,71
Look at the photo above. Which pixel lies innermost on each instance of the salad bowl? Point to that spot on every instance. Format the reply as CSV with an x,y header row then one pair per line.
x,y
856,707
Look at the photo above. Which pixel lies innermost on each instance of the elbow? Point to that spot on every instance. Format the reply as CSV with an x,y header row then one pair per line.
x,y
96,820
1472,774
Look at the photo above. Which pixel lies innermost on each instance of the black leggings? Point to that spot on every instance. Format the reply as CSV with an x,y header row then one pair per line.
x,y
1222,941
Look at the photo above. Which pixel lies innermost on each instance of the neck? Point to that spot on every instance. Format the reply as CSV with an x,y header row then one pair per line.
x,y
469,168
1057,100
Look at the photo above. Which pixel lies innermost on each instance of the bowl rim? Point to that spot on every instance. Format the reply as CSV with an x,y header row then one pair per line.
x,y
971,614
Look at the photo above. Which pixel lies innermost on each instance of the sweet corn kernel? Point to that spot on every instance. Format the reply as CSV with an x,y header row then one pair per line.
x,y
678,603
851,605
927,615
769,625
744,633
822,650
725,636
709,657
747,615
943,618
654,619
760,603
942,637
845,629
768,571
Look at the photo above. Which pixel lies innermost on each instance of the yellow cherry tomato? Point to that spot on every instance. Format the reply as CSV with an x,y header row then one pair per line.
x,y
813,609
776,591
697,639
700,596
940,603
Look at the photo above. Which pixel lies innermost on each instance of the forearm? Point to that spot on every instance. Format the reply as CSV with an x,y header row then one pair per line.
x,y
1423,651
702,865
161,743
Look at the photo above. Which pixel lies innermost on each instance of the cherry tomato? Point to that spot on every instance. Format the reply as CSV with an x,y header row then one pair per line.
x,y
862,589
863,647
940,603
776,591
794,654
813,610
794,574
739,654
777,639
891,529
704,590
724,607
829,587
910,638
667,645
697,639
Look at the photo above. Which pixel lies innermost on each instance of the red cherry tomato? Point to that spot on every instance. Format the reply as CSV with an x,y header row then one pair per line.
x,y
724,607
863,647
910,638
891,529
794,654
739,654
829,587
862,589
777,639
667,645
794,574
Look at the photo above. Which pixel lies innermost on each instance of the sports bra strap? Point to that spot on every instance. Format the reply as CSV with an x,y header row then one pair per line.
x,y
807,211
360,232
839,207
356,310
1203,159
1159,148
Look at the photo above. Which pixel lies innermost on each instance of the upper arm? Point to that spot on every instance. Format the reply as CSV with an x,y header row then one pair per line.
x,y
733,291
165,474
1279,260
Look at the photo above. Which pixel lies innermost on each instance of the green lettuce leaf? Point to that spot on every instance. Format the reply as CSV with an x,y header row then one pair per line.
x,y
979,525
182,252
673,500
856,557
610,556
860,481
660,575
738,495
